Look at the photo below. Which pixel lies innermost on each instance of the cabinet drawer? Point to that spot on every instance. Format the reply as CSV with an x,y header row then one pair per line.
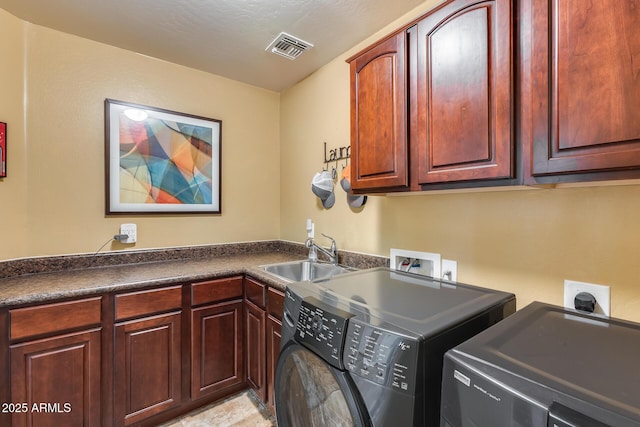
x,y
216,290
254,292
147,302
275,302
57,317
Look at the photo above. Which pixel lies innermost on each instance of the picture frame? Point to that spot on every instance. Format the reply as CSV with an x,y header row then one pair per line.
x,y
160,161
3,150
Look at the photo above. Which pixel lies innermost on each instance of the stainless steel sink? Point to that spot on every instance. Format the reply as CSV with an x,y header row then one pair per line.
x,y
305,270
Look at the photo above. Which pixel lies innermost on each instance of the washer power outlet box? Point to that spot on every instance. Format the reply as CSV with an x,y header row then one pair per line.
x,y
600,292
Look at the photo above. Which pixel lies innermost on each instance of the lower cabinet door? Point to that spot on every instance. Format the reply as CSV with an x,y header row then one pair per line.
x,y
274,336
254,335
216,348
147,367
56,381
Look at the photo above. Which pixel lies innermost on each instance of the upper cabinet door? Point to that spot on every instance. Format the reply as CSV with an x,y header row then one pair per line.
x,y
581,85
464,93
379,116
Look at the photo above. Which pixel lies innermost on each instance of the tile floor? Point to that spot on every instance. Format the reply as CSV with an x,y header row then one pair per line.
x,y
240,410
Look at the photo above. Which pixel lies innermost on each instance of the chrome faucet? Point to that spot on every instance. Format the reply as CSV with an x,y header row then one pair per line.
x,y
331,253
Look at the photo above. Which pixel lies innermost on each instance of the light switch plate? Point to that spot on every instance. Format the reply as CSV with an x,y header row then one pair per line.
x,y
600,292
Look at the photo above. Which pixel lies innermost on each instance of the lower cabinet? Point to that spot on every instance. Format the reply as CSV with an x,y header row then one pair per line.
x,y
56,381
255,339
275,305
147,362
254,335
138,358
216,348
263,326
147,367
55,364
274,336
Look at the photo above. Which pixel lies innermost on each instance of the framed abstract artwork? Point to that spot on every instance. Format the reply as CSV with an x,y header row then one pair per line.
x,y
3,150
160,161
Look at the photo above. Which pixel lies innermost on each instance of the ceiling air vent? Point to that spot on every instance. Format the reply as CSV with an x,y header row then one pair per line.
x,y
288,46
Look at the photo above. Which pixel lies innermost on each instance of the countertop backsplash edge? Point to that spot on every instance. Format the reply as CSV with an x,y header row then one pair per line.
x,y
50,264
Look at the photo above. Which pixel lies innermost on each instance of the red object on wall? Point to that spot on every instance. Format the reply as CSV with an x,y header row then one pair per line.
x,y
3,150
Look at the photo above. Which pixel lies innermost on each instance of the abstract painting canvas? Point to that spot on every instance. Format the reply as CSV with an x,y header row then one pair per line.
x,y
160,161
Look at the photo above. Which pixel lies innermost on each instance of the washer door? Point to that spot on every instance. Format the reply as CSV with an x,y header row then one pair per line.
x,y
309,392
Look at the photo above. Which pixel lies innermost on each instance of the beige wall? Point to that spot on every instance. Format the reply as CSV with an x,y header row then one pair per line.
x,y
523,241
52,202
13,189
68,79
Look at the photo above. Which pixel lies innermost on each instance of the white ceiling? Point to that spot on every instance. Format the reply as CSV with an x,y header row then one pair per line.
x,y
224,37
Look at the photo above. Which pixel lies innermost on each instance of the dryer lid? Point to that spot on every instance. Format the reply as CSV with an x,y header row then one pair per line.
x,y
577,354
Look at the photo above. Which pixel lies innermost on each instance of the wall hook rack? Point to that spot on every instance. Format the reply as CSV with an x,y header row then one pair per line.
x,y
334,156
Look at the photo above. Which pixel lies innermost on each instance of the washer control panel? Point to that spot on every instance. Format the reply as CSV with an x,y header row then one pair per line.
x,y
380,356
322,328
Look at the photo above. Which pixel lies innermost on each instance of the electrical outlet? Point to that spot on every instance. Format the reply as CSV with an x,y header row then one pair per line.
x,y
600,292
450,269
130,230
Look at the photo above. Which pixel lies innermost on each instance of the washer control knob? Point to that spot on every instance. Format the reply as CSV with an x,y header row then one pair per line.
x,y
316,323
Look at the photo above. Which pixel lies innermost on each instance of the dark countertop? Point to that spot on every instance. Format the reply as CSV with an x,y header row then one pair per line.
x,y
36,288
43,279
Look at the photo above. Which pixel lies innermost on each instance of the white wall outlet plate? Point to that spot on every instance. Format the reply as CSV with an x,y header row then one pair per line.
x,y
450,270
130,230
600,292
425,263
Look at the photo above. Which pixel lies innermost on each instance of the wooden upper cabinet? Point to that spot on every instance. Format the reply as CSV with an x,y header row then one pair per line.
x,y
580,87
434,102
463,98
379,135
